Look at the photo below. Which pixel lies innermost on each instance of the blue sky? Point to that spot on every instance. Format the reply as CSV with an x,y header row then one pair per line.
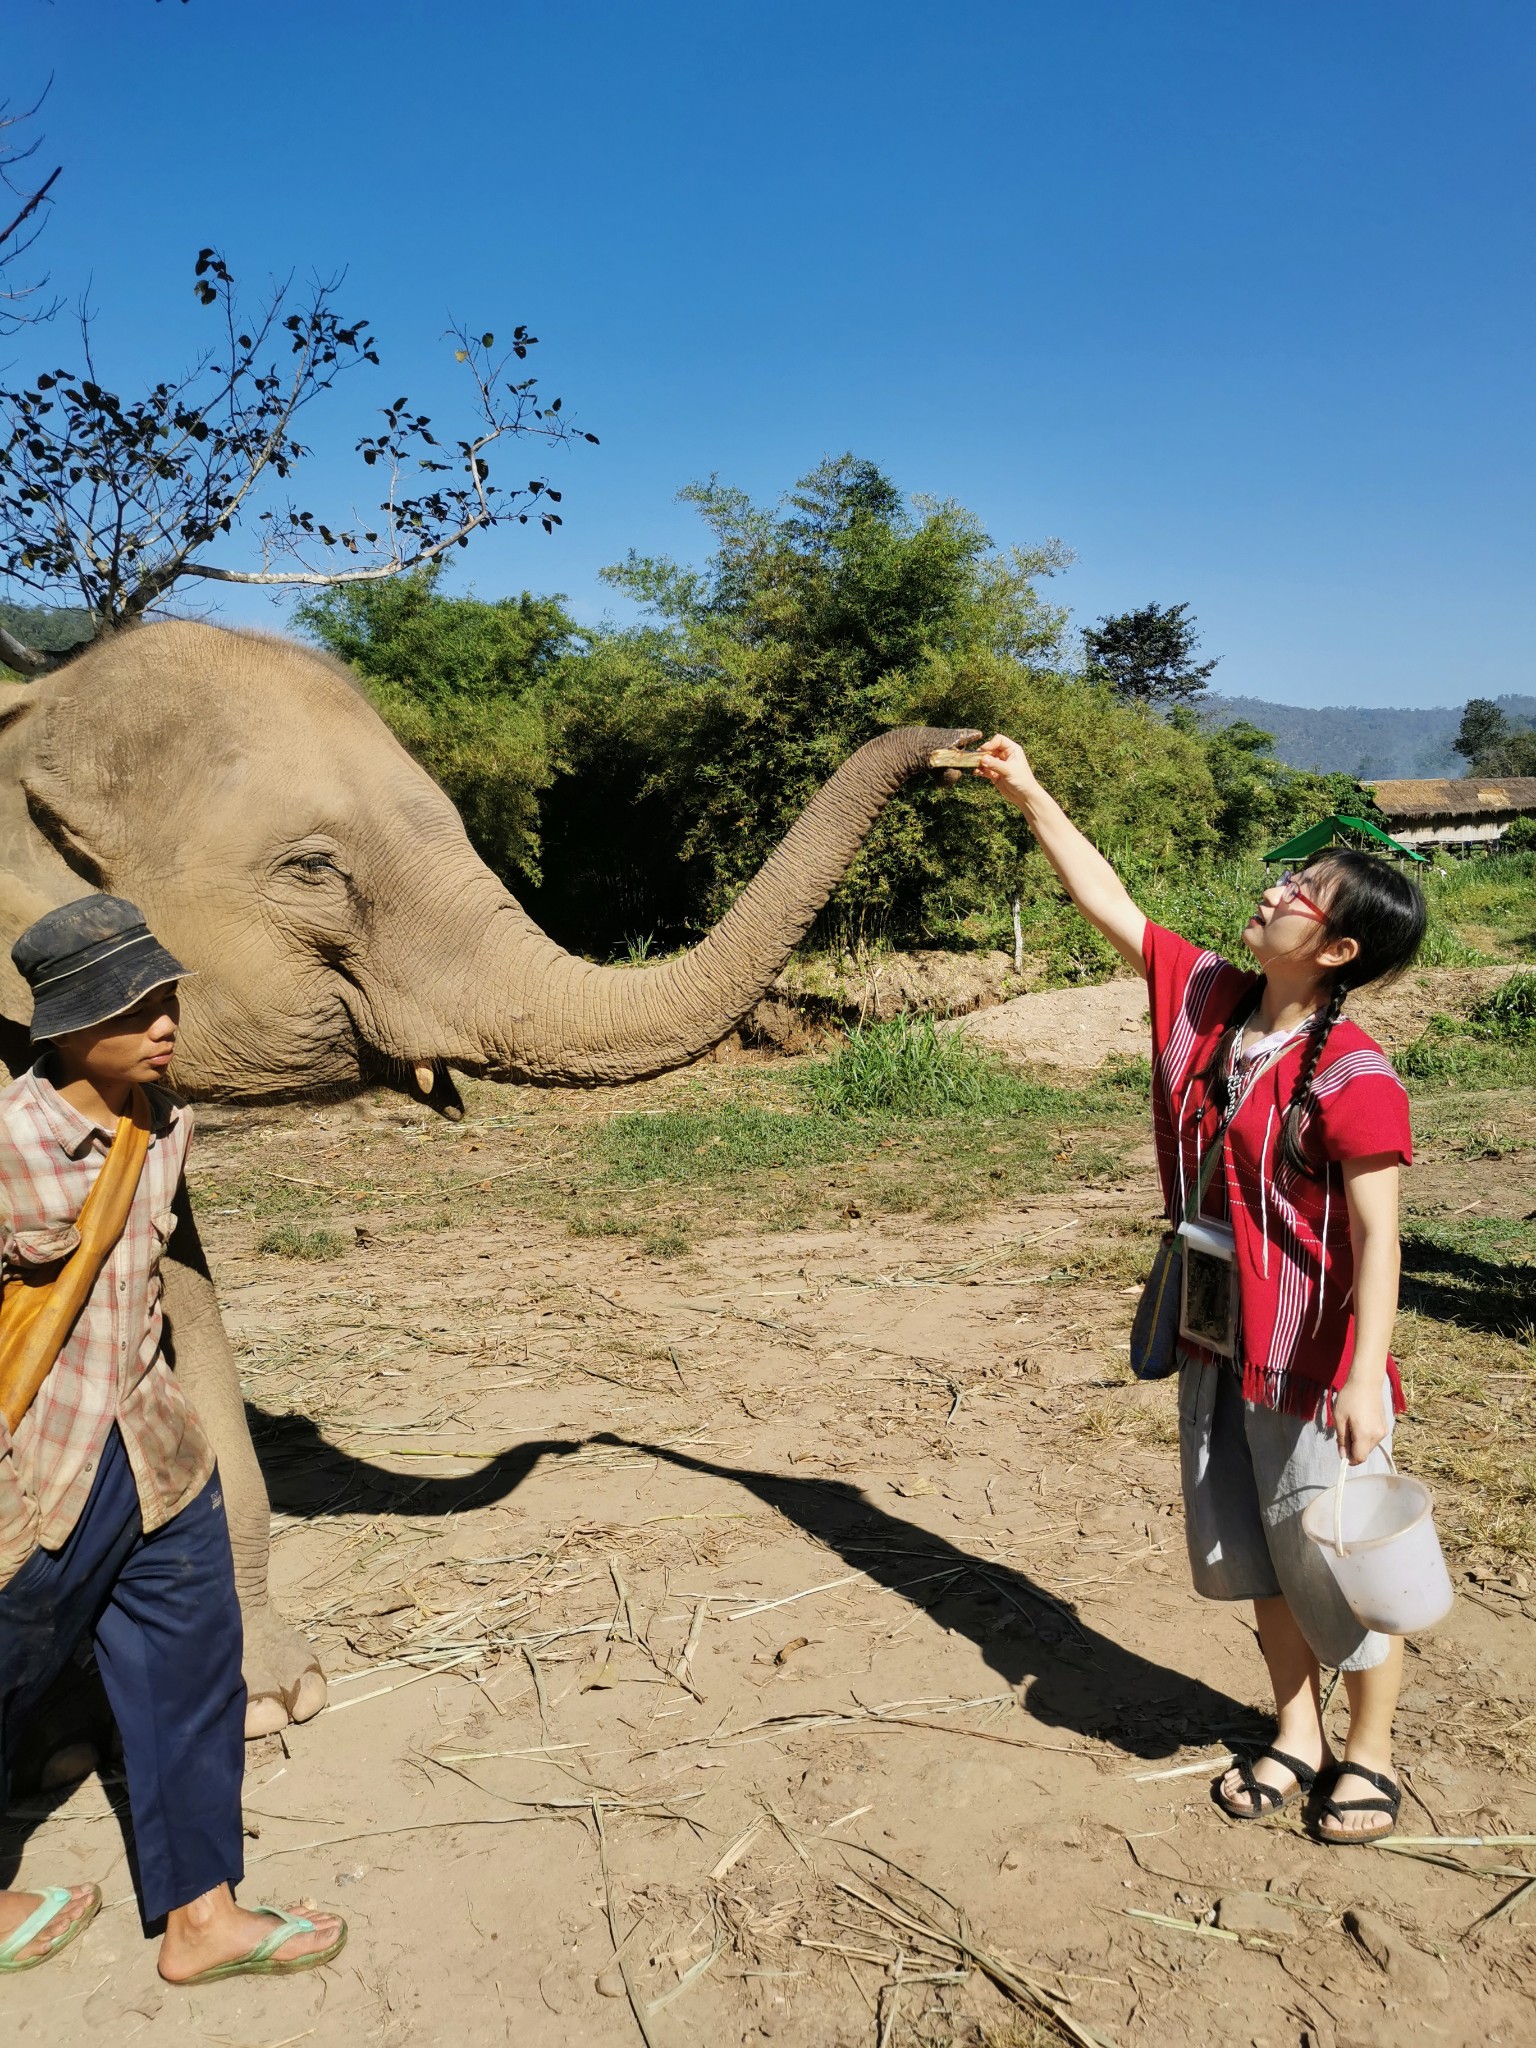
x,y
1235,300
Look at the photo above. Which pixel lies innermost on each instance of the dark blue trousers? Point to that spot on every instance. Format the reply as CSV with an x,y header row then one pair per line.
x,y
162,1613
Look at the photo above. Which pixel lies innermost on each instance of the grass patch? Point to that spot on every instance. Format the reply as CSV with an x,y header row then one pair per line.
x,y
1472,1411
1508,1013
712,1143
292,1241
910,1068
1487,906
1494,1042
1479,1273
902,1120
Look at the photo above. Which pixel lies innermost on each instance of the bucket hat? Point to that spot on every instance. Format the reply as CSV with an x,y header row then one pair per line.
x,y
88,961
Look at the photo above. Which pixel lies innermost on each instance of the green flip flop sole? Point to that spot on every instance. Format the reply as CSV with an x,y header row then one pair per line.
x,y
263,1960
54,1900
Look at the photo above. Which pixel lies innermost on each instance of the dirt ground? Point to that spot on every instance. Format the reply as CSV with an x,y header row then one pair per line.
x,y
807,1615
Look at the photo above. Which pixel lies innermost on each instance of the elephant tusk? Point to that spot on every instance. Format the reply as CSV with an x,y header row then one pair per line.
x,y
425,1074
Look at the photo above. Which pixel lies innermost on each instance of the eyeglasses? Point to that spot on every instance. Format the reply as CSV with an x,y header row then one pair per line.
x,y
1292,895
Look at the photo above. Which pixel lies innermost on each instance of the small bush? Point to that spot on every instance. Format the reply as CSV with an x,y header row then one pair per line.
x,y
1494,1041
1510,1012
909,1068
291,1241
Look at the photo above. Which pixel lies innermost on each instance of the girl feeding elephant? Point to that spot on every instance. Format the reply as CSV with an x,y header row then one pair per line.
x,y
1292,1122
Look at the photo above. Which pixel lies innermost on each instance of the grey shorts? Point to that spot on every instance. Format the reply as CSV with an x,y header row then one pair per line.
x,y
1247,1474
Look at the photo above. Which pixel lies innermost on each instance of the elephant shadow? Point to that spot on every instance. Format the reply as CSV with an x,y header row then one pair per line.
x,y
1071,1675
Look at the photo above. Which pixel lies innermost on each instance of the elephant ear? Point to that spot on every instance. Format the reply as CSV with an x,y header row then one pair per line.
x,y
69,768
43,859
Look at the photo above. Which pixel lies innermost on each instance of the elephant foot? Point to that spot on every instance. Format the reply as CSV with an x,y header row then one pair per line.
x,y
68,1765
283,1679
70,1734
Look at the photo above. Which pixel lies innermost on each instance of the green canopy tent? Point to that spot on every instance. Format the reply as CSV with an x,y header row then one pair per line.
x,y
1335,831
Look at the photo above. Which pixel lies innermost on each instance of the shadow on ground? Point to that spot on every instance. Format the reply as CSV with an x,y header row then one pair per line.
x,y
1495,1296
1071,1675
1074,1676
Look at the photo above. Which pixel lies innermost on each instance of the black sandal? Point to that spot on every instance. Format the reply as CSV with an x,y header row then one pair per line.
x,y
1266,1799
1330,1808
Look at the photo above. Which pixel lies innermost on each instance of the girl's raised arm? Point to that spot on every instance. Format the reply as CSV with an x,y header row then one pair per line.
x,y
1086,875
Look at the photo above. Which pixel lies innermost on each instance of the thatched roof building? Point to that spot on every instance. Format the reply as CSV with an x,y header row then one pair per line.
x,y
1473,810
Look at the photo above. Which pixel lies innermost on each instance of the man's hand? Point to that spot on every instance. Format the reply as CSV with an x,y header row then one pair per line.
x,y
1359,1420
1006,766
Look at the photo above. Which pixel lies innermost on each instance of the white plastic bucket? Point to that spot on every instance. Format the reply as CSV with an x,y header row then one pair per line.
x,y
1377,1532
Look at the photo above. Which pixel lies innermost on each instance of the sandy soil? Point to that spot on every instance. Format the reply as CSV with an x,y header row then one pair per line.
x,y
719,1606
1078,1028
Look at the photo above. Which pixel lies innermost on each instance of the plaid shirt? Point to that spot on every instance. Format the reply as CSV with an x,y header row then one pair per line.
x,y
111,1369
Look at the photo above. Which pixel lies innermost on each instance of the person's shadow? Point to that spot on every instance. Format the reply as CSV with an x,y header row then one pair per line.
x,y
1492,1295
1076,1677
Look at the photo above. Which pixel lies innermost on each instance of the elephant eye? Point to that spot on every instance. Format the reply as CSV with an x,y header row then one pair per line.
x,y
313,866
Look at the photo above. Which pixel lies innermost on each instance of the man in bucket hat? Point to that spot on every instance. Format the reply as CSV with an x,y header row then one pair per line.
x,y
112,1524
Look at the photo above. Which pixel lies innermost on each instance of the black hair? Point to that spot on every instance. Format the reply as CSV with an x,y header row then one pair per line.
x,y
1384,912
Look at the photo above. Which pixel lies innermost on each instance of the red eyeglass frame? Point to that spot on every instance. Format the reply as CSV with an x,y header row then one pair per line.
x,y
1292,892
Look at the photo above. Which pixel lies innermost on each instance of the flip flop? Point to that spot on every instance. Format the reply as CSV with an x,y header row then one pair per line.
x,y
1265,1799
1335,1809
263,1960
55,1898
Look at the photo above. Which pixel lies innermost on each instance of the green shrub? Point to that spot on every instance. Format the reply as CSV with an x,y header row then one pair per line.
x,y
292,1241
1494,1042
911,1069
1509,1012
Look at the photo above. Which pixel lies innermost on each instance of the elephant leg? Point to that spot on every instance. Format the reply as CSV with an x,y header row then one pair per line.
x,y
283,1678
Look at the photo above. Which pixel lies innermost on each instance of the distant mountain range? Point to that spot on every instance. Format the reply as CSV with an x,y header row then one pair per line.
x,y
1361,739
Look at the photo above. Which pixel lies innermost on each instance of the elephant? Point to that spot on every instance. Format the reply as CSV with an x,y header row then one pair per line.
x,y
342,935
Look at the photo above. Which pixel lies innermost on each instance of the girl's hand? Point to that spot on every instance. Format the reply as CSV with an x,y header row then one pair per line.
x,y
1006,766
1359,1420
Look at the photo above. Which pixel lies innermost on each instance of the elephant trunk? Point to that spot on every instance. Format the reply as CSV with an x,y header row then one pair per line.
x,y
557,1019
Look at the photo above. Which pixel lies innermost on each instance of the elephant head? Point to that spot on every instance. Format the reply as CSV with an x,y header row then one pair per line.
x,y
245,794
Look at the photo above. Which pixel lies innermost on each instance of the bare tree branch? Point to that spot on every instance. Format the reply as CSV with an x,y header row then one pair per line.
x,y
31,206
123,499
12,243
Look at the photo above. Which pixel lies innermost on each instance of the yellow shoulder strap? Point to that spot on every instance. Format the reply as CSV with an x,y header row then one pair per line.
x,y
36,1316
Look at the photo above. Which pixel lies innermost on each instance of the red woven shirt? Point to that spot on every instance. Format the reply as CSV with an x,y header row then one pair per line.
x,y
1295,1259
111,1369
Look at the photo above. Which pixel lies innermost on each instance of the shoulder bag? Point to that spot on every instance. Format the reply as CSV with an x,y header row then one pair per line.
x,y
36,1316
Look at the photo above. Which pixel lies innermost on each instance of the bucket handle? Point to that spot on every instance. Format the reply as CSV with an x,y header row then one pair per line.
x,y
1345,1468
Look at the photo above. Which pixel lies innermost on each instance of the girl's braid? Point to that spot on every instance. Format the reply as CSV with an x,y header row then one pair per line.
x,y
1291,1149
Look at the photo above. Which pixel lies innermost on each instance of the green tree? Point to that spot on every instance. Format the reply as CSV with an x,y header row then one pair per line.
x,y
1147,657
690,742
1259,798
1492,742
464,685
1483,727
